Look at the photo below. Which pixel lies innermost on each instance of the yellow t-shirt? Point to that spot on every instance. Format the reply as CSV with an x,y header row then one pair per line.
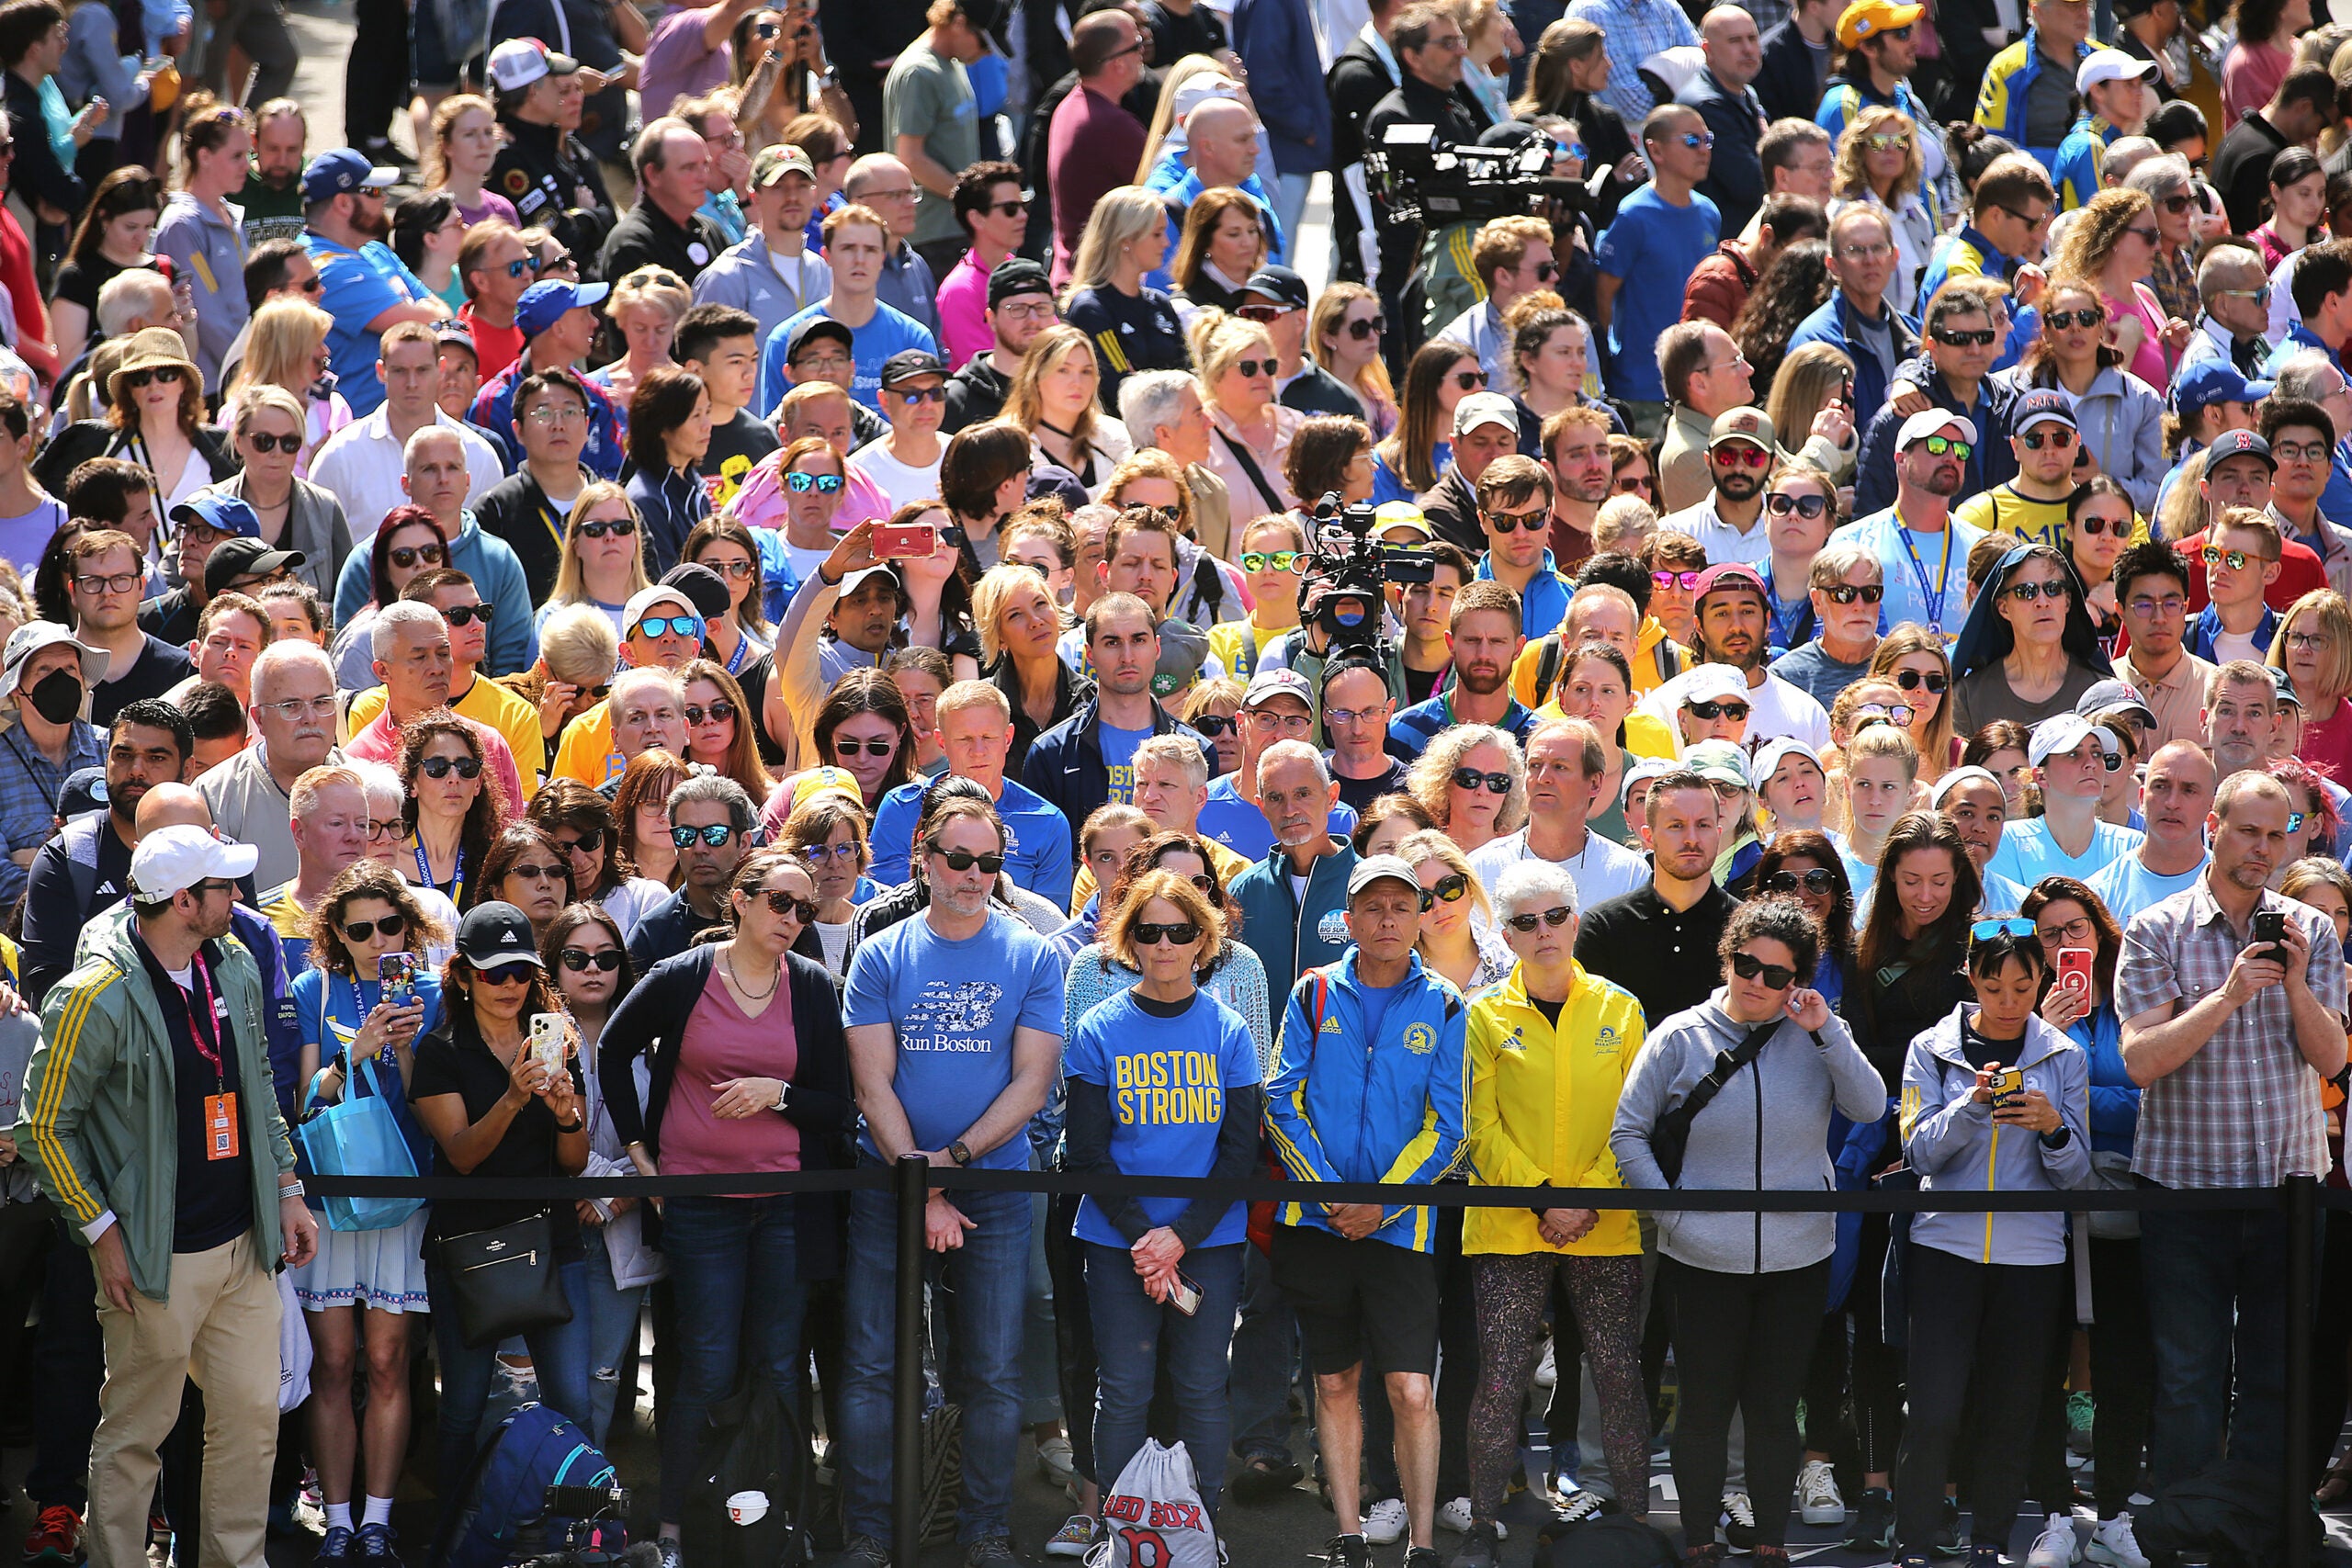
x,y
586,752
1225,645
486,703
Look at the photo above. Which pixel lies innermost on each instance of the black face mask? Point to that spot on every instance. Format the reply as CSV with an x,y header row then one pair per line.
x,y
57,696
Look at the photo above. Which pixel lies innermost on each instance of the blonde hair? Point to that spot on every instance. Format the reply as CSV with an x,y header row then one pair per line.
x,y
1218,339
993,595
2334,617
1429,843
570,581
1025,404
287,333
1849,178
651,284
275,398
1151,463
579,645
1123,216
2090,240
1433,772
973,695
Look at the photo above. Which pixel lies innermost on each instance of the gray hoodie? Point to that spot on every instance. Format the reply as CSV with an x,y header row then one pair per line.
x,y
1955,1146
1767,1131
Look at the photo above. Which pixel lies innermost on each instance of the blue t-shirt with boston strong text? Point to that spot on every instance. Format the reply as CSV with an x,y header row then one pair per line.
x,y
1119,758
1167,1079
1652,249
953,1006
886,333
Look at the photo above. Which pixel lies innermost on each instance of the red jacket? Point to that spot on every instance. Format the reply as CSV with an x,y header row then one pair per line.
x,y
1720,286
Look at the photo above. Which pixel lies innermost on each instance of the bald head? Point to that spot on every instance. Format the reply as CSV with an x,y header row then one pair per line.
x,y
1735,54
171,805
1100,39
1221,138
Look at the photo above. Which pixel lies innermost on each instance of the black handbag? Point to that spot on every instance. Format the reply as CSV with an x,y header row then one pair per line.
x,y
504,1280
1671,1135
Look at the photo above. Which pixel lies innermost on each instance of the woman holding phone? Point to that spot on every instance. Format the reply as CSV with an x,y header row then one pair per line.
x,y
361,1006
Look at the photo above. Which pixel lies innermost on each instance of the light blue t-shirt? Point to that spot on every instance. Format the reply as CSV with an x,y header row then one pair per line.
x,y
1925,582
2028,853
1119,758
1036,849
1240,826
1652,247
886,333
2127,886
1167,1077
954,1006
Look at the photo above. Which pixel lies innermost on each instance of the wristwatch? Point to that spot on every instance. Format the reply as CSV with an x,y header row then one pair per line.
x,y
958,1152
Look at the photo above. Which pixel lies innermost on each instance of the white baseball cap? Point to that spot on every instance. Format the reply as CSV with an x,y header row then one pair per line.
x,y
172,859
1932,421
2063,732
2111,65
1484,408
1712,683
519,61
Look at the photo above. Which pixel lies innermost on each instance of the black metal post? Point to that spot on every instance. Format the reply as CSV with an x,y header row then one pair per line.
x,y
906,1386
2302,1198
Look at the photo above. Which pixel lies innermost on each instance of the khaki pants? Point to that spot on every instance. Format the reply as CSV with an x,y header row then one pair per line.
x,y
220,1328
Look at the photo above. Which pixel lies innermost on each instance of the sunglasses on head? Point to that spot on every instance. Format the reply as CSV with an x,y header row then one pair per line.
x,y
2088,316
1935,681
843,746
965,860
580,959
1364,327
619,528
288,444
1734,711
715,835
407,555
1471,778
783,901
663,625
823,484
1808,507
1815,881
161,375
1846,592
1739,455
1988,931
1974,337
391,925
2056,440
441,767
466,615
1151,933
1775,977
1555,917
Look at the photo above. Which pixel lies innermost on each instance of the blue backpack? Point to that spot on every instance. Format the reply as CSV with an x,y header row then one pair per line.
x,y
506,1491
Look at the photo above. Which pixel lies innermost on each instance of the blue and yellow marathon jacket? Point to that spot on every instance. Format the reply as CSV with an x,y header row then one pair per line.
x,y
1378,1101
2082,160
2000,103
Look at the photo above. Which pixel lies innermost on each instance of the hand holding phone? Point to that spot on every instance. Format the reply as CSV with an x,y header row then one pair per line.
x,y
916,541
548,1045
1184,1296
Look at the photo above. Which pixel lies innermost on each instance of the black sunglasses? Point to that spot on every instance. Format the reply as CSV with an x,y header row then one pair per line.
x,y
580,961
407,555
715,834
965,860
619,528
1557,915
1933,680
1151,933
1724,709
161,375
1776,976
783,902
845,745
391,925
1471,778
1367,327
1814,881
589,842
441,767
1846,592
1214,725
1805,506
466,615
1449,890
287,444
720,711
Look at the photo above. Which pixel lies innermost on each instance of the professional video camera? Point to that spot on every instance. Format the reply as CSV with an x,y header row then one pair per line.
x,y
1344,574
1422,178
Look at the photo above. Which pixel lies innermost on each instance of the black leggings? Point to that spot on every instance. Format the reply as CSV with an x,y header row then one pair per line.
x,y
1741,1342
1979,1346
2123,1369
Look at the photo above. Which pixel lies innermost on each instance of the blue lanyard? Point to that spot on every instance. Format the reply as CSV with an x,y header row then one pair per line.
x,y
456,873
1934,596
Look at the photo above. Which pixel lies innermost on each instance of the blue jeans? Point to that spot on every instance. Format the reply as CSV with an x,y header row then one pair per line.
x,y
559,1357
733,1262
1132,1334
2217,1312
612,1330
1265,1362
985,1284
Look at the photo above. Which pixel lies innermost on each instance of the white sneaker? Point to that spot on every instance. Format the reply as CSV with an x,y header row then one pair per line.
x,y
1383,1522
2055,1547
1078,1532
1456,1516
2114,1545
1546,1372
1818,1500
1576,1506
1055,1462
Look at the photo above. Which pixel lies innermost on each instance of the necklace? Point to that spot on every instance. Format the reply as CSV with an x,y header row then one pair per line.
x,y
737,976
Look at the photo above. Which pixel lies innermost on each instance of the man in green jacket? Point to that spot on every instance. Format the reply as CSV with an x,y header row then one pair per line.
x,y
150,1116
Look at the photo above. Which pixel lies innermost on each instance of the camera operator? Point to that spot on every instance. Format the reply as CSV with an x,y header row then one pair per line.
x,y
1430,48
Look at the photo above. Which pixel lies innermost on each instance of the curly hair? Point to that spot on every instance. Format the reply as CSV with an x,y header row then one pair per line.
x,y
490,806
1851,179
1792,287
366,879
2090,240
1783,921
1432,772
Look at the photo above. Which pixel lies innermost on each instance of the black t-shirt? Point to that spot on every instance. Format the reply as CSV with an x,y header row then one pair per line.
x,y
754,678
1666,957
159,668
453,1059
170,615
1420,686
212,1201
1197,31
80,282
745,436
1358,794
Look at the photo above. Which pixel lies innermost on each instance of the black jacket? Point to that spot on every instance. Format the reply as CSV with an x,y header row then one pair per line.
x,y
819,1098
1735,181
1356,82
975,395
1316,390
649,236
1071,691
1452,509
1609,143
545,173
516,510
2242,169
1788,86
36,174
1064,764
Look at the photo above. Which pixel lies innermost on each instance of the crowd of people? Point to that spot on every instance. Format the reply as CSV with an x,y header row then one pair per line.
x,y
769,605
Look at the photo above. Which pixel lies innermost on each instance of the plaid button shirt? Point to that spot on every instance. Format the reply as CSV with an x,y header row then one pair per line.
x,y
1636,30
2174,282
30,784
2245,1110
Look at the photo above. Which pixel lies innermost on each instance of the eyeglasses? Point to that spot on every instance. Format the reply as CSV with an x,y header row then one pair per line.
x,y
1736,712
1555,917
845,745
441,767
557,414
1886,142
1215,724
1448,890
407,555
2026,592
161,375
2299,451
1471,779
815,852
2147,606
1776,976
2311,642
1269,561
2056,440
783,901
1846,592
590,842
1739,455
2093,525
739,571
1364,327
1808,507
390,827
1945,446
391,925
579,960
1977,337
2088,316
517,269
1151,933
2078,930
466,615
714,835
1866,252
1935,681
1698,141
823,484
1989,931
296,708
1815,881
619,528
1345,718
2235,560
965,860
508,974
1512,522
666,626
721,711
288,444
1686,581
1469,380
119,582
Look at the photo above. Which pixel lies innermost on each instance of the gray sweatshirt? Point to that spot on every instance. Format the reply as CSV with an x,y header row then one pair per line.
x,y
1955,1146
1767,1131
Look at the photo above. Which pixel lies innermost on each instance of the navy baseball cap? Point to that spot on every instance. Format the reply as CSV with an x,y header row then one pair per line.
x,y
2045,406
343,169
2238,443
221,513
2211,381
1279,284
544,304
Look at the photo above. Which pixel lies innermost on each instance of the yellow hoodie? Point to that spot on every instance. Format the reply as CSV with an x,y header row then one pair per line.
x,y
1542,1101
1656,659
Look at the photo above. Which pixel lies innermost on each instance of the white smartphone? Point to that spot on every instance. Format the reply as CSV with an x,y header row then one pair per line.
x,y
547,1040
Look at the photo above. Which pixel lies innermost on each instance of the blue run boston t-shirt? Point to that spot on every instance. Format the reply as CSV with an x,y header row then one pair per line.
x,y
1119,758
1167,1079
1652,248
955,1006
886,333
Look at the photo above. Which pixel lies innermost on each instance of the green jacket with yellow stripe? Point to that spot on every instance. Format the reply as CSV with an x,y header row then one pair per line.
x,y
98,1120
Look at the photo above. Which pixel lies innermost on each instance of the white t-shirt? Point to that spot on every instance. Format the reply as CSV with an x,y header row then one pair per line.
x,y
2229,645
902,485
1603,870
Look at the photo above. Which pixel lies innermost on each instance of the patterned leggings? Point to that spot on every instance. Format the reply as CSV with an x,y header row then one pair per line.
x,y
1512,1289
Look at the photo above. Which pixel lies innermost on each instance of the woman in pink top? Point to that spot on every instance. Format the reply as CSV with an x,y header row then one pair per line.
x,y
989,205
2264,54
2314,646
748,1071
2114,242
